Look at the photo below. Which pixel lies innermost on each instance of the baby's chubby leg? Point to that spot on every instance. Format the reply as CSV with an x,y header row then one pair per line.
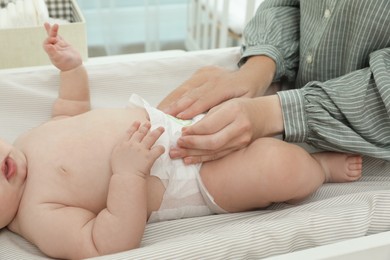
x,y
270,170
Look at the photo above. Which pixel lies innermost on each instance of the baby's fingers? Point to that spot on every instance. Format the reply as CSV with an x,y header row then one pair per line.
x,y
51,31
47,28
157,151
152,136
51,38
142,134
150,139
134,128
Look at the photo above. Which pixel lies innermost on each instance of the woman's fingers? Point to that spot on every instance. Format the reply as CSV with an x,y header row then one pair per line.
x,y
180,106
191,156
192,103
224,123
202,99
227,143
205,89
206,158
226,128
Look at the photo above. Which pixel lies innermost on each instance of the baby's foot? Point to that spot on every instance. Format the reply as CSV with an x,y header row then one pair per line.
x,y
340,167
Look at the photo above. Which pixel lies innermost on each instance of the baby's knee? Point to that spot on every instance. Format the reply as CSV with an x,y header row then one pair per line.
x,y
269,148
278,158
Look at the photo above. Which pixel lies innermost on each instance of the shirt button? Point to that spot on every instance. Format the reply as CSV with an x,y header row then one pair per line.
x,y
309,59
327,13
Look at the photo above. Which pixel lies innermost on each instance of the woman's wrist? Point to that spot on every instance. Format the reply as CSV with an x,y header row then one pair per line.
x,y
259,71
268,116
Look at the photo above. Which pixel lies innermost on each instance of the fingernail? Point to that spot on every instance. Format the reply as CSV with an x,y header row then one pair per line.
x,y
187,160
179,142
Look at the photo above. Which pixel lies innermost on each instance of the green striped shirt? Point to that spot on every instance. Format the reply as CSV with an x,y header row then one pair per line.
x,y
338,54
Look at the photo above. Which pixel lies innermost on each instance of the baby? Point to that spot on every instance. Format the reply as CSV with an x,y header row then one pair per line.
x,y
86,182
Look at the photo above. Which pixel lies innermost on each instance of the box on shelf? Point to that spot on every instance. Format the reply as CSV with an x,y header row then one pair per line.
x,y
22,47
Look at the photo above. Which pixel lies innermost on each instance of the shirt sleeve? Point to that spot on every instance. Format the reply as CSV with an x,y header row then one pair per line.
x,y
274,32
350,113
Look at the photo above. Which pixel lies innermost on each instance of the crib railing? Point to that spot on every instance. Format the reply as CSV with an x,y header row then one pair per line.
x,y
217,23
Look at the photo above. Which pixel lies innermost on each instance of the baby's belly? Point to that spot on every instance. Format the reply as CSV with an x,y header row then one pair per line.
x,y
72,158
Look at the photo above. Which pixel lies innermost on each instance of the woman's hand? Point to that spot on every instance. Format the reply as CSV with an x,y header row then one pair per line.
x,y
61,54
212,85
208,87
229,127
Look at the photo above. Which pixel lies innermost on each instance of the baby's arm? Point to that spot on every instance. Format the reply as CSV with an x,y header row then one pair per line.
x,y
125,217
73,97
62,231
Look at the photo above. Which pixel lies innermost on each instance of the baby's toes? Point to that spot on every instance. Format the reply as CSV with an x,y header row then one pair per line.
x,y
355,166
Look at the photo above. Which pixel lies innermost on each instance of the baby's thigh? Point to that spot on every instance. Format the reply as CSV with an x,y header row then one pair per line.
x,y
238,181
255,176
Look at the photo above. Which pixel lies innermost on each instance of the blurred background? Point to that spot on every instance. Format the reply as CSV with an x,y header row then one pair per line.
x,y
132,26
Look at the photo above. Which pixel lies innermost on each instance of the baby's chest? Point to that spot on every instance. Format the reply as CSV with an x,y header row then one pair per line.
x,y
73,147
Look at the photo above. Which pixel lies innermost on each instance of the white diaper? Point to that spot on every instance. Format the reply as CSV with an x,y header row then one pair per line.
x,y
185,195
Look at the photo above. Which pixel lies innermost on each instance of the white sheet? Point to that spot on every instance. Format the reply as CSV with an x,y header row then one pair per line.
x,y
335,213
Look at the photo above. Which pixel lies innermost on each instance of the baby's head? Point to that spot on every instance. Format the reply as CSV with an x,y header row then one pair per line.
x,y
13,169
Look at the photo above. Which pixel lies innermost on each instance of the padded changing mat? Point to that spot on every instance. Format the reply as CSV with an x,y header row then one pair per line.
x,y
334,213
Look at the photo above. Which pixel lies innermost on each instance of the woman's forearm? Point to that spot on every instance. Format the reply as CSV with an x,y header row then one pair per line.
x,y
259,72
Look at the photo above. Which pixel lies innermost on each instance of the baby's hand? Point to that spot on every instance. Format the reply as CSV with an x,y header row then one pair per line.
x,y
61,54
136,154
